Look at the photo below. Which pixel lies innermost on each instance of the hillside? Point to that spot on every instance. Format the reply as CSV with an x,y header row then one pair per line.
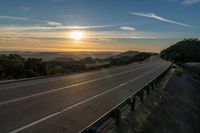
x,y
187,50
126,54
171,108
123,59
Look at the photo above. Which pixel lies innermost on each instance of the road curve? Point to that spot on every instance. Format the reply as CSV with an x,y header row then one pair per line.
x,y
69,103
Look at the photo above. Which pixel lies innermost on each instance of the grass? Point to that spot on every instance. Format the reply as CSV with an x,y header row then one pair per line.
x,y
197,76
179,71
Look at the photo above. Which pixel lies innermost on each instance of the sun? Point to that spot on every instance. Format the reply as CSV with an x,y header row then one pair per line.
x,y
77,35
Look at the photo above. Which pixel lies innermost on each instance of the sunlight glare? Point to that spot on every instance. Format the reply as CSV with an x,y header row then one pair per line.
x,y
77,35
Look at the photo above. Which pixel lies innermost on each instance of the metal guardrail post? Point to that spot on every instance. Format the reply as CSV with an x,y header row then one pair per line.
x,y
142,95
148,89
90,130
133,103
153,85
116,116
156,82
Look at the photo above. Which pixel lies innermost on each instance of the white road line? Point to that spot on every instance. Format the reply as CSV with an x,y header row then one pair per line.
x,y
82,102
73,85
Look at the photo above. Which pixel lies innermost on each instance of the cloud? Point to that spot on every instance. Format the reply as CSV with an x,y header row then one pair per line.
x,y
48,23
70,16
51,27
15,18
186,2
25,8
90,34
154,16
189,2
127,28
54,24
89,27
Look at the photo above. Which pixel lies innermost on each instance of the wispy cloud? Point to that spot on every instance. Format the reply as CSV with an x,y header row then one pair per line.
x,y
186,2
154,16
54,24
25,8
127,28
48,25
15,18
89,34
189,2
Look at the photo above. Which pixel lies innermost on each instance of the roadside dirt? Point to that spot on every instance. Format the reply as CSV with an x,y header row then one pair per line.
x,y
174,107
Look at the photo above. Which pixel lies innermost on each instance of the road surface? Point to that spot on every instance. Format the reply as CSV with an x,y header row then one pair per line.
x,y
67,104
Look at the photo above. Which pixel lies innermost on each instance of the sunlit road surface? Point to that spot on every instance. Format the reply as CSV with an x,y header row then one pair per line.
x,y
67,104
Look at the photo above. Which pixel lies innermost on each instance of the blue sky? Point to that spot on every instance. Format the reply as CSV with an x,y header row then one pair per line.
x,y
107,25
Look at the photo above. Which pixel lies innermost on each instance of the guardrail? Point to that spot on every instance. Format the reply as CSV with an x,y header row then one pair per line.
x,y
115,113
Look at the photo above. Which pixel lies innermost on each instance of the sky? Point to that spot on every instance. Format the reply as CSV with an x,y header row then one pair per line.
x,y
105,25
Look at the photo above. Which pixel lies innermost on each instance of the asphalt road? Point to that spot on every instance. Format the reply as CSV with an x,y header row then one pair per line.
x,y
67,104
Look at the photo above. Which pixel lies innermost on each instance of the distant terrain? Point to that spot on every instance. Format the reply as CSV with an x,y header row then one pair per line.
x,y
126,54
21,65
61,55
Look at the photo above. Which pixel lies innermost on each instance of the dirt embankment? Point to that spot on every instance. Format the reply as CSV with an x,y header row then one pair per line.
x,y
174,107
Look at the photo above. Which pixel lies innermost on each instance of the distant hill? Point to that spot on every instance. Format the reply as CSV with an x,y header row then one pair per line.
x,y
87,60
126,54
187,50
47,56
63,59
15,66
129,57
